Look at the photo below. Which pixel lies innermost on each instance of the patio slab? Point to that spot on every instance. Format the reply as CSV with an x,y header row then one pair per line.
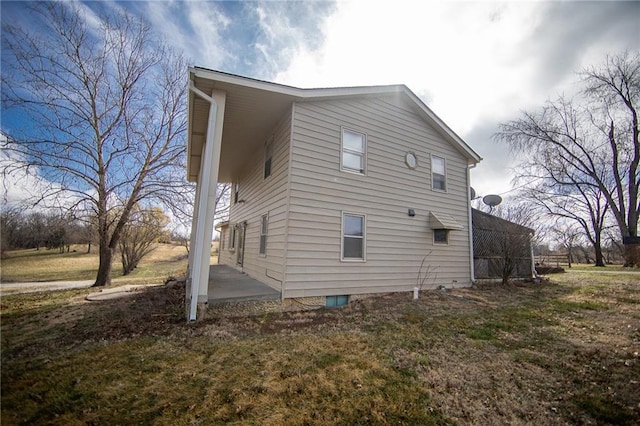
x,y
229,285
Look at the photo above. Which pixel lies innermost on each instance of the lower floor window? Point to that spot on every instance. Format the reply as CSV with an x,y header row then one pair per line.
x,y
441,236
232,238
353,236
263,234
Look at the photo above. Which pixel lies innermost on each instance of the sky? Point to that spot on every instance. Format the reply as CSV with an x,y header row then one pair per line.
x,y
475,64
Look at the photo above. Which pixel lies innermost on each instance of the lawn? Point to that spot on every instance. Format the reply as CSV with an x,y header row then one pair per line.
x,y
164,261
561,352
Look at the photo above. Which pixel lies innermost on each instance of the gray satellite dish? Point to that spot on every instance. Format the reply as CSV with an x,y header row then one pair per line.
x,y
492,200
473,192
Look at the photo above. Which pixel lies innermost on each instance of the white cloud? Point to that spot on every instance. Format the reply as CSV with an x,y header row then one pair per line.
x,y
474,64
464,57
192,28
25,186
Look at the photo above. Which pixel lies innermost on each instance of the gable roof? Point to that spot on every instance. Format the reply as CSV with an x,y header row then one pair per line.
x,y
253,107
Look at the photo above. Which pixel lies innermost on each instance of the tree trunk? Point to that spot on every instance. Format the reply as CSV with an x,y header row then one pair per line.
x,y
599,257
631,255
104,269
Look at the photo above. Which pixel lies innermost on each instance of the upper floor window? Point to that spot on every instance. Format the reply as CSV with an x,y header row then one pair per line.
x,y
438,173
354,151
236,192
268,155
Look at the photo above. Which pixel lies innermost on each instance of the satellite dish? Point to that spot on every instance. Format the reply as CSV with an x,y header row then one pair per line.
x,y
473,192
492,200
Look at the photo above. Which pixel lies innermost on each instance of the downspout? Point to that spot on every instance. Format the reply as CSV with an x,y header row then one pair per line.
x,y
202,206
471,266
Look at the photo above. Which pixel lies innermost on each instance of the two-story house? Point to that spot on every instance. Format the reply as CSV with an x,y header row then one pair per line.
x,y
335,191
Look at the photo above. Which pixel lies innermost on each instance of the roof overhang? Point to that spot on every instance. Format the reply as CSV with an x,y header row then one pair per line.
x,y
253,108
486,221
443,221
221,224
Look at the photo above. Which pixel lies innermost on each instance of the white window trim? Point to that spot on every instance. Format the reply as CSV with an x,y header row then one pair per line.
x,y
440,243
446,182
364,238
364,153
265,235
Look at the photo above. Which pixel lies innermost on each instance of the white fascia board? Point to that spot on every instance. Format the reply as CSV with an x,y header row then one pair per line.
x,y
295,92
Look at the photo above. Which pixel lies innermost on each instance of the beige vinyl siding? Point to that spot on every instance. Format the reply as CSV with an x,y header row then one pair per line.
x,y
263,196
395,242
226,254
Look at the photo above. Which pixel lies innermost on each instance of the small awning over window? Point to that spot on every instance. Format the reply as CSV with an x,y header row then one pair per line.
x,y
443,221
222,224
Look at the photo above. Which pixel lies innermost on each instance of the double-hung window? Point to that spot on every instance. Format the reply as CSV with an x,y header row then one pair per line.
x,y
354,151
263,234
438,173
353,236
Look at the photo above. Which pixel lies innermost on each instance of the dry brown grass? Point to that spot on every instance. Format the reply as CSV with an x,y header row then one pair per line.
x,y
32,265
557,353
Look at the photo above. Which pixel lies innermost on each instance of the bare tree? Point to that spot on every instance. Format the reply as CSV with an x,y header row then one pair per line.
x,y
588,144
10,221
139,236
108,99
183,218
514,246
223,202
582,204
568,236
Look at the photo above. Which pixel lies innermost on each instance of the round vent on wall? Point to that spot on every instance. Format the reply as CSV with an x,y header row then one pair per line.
x,y
411,160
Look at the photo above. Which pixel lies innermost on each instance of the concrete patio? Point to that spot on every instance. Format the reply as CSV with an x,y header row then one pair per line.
x,y
228,285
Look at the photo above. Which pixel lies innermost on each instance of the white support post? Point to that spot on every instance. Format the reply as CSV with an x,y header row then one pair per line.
x,y
205,201
194,225
192,244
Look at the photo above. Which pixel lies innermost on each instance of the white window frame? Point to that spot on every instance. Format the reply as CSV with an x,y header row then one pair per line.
x,y
364,238
268,157
344,150
446,184
441,243
264,229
